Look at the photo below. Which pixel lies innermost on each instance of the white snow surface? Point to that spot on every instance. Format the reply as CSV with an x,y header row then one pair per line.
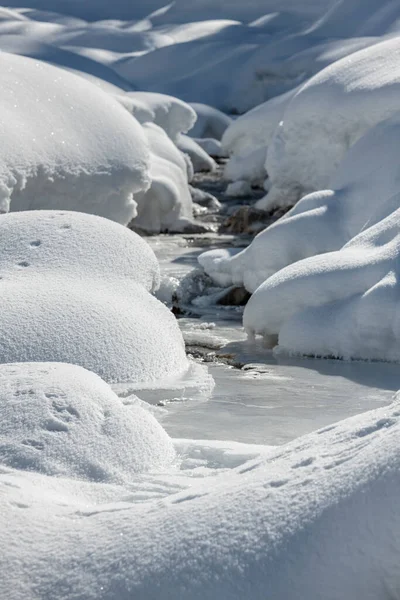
x,y
210,123
73,290
169,113
200,160
342,299
167,204
323,120
66,144
282,524
59,419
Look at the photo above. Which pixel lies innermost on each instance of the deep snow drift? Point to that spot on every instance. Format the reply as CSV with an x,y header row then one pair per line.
x,y
62,301
66,144
281,526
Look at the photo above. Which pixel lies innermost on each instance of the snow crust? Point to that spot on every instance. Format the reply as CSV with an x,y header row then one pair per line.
x,y
66,144
61,303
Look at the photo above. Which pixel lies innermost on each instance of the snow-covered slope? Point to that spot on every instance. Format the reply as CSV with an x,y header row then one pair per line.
x,y
314,519
62,301
66,144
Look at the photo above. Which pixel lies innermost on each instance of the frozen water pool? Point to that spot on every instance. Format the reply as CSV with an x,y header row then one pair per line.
x,y
263,399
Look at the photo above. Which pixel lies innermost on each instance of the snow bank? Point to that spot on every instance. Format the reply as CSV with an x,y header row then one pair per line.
x,y
66,144
248,137
324,120
167,205
59,419
278,526
61,303
343,302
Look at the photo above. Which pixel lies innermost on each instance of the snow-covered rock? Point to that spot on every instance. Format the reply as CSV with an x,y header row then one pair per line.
x,y
201,161
73,290
323,120
281,526
169,113
210,123
59,419
362,191
342,302
167,205
66,144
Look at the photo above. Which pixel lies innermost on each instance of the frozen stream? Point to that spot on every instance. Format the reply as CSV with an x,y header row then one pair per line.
x,y
268,400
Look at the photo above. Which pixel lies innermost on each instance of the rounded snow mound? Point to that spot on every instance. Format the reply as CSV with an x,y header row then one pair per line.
x,y
169,113
167,204
323,120
59,419
66,144
88,312
361,192
210,123
75,245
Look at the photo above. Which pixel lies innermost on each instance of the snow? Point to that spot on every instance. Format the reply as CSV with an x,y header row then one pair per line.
x,y
167,205
59,419
210,123
169,113
63,304
201,161
286,518
66,144
341,299
324,120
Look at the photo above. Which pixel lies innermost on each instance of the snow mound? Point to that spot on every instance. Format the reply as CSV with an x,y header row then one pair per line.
x,y
59,419
169,113
66,144
323,120
247,139
75,245
342,304
99,317
167,205
292,520
210,123
201,161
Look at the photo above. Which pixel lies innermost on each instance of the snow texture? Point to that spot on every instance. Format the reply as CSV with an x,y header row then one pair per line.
x,y
59,419
73,290
200,160
288,520
66,144
167,205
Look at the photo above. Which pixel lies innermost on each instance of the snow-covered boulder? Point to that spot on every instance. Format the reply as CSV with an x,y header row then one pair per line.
x,y
169,113
323,120
316,518
66,144
59,419
247,139
201,161
210,123
73,289
361,192
342,304
167,204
